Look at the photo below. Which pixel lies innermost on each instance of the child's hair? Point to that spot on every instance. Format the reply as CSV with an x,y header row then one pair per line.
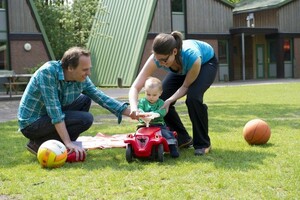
x,y
153,82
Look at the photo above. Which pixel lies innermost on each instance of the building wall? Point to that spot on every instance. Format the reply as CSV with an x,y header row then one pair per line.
x,y
289,17
23,28
20,17
162,18
214,44
208,16
297,58
22,59
262,19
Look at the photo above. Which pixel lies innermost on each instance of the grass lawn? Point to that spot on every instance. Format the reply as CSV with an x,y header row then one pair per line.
x,y
233,169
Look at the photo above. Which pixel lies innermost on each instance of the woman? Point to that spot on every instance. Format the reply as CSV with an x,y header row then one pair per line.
x,y
192,68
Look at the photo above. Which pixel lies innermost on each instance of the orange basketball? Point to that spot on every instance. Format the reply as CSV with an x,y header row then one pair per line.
x,y
257,131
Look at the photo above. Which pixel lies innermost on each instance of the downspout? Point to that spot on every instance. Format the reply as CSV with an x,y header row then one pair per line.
x,y
243,56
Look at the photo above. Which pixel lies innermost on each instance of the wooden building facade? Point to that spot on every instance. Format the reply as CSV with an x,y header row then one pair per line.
x,y
207,20
265,39
253,39
23,41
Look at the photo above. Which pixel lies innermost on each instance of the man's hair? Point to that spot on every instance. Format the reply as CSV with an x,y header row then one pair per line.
x,y
153,82
72,55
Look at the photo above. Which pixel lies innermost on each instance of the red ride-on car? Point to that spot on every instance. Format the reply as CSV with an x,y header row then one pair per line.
x,y
147,142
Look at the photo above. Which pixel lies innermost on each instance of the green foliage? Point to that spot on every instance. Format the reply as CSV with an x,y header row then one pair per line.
x,y
67,25
234,1
233,169
31,70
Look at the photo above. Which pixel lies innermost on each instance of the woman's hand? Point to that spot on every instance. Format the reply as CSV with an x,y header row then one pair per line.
x,y
166,105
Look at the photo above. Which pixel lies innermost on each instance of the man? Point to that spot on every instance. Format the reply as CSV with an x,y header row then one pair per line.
x,y
57,99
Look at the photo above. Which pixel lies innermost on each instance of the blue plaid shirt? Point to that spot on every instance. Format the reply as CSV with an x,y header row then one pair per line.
x,y
47,92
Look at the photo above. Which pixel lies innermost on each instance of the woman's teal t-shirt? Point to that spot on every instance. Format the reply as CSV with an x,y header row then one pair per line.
x,y
191,51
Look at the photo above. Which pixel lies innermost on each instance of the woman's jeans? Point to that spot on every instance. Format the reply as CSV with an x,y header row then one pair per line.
x,y
197,110
77,120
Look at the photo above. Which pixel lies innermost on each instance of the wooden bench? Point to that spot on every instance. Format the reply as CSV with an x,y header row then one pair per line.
x,y
14,81
14,86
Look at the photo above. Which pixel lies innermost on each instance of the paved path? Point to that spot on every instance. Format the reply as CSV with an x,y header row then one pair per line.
x,y
8,108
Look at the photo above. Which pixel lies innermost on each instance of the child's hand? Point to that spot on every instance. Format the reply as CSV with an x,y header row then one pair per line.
x,y
150,115
154,115
147,117
147,114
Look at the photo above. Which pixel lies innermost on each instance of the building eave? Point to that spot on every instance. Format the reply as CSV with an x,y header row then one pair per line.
x,y
252,7
251,31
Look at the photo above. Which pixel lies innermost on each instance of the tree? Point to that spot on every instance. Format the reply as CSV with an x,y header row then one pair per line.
x,y
234,1
67,23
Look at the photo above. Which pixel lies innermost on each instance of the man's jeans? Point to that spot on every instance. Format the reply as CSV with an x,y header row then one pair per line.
x,y
77,120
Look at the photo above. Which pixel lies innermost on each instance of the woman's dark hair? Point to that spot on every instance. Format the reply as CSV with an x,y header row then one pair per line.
x,y
165,43
72,55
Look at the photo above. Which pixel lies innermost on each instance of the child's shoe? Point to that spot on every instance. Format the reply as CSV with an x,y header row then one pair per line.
x,y
174,151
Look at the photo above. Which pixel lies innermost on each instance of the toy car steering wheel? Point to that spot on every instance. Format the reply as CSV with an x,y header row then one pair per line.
x,y
148,116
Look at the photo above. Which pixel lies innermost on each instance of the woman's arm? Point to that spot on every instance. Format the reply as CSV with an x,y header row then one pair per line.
x,y
138,84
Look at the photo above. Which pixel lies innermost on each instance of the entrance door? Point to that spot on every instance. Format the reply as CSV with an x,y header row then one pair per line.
x,y
272,68
260,64
223,60
288,58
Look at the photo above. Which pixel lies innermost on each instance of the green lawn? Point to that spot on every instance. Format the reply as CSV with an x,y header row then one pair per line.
x,y
233,170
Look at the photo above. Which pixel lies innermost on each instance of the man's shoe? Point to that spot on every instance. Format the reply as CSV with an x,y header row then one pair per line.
x,y
200,152
186,143
32,147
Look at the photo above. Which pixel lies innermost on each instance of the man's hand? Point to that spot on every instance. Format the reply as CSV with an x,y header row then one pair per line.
x,y
79,151
134,114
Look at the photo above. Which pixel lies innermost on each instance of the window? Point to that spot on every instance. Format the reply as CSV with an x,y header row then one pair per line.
x,y
177,5
3,36
177,16
287,50
2,3
222,51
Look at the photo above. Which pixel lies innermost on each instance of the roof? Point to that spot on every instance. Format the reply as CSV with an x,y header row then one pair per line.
x,y
257,5
117,43
41,27
228,3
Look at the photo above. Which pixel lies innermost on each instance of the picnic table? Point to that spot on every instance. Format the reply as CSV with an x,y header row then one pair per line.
x,y
14,81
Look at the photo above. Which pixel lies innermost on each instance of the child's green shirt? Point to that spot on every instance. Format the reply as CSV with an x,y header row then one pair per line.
x,y
145,106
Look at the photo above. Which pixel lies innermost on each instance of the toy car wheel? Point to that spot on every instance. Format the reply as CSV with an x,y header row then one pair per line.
x,y
153,153
160,153
129,153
